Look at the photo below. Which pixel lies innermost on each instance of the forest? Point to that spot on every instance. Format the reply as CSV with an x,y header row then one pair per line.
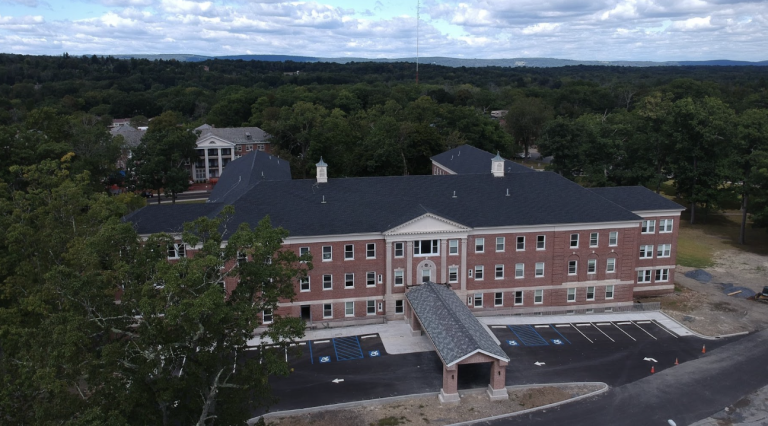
x,y
698,132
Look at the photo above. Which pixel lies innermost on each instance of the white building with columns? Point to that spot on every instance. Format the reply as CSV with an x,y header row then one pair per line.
x,y
217,147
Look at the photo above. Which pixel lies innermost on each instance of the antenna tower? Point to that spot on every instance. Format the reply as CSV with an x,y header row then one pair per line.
x,y
418,4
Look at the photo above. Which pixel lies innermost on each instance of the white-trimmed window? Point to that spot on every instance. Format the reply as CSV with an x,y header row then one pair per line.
x,y
646,251
592,266
571,297
327,253
370,279
260,147
399,307
349,280
573,267
370,251
242,258
610,265
541,242
662,275
239,148
304,284
648,227
520,243
267,316
664,250
370,307
453,246
349,309
613,238
644,276
538,297
349,251
539,271
609,292
590,293
399,249
426,275
593,239
327,282
249,148
302,252
327,310
499,272
426,247
519,297
176,251
498,299
398,277
479,272
478,300
479,245
519,270
574,240
453,274
665,226
499,244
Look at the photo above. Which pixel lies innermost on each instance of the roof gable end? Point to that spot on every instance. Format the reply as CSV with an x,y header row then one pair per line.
x,y
427,223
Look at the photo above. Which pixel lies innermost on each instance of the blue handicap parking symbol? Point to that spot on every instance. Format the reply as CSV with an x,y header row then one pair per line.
x,y
325,359
512,343
374,353
557,342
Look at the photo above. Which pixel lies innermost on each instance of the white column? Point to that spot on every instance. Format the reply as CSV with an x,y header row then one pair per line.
x,y
463,269
207,171
388,272
218,150
409,263
443,260
232,153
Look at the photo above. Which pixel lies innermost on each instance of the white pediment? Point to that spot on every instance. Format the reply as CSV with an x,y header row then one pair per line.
x,y
211,141
427,224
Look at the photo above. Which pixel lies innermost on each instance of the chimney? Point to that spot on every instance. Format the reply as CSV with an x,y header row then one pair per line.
x,y
322,171
497,165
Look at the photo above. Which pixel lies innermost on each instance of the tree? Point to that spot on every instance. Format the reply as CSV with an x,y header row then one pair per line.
x,y
158,162
173,351
526,119
749,161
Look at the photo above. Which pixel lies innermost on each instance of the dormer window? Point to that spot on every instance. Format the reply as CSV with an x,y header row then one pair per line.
x,y
248,135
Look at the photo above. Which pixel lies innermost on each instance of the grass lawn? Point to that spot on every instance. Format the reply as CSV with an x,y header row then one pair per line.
x,y
697,243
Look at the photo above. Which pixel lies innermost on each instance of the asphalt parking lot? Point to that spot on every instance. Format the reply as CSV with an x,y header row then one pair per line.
x,y
355,368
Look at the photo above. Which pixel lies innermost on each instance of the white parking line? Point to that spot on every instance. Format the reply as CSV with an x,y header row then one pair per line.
x,y
641,328
542,326
602,323
625,332
498,326
585,336
321,341
584,325
368,336
598,329
624,323
665,329
562,325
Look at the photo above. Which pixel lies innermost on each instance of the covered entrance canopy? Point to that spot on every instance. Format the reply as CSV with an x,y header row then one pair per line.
x,y
458,336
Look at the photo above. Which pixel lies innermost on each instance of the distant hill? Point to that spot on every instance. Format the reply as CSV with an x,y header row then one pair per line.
x,y
452,62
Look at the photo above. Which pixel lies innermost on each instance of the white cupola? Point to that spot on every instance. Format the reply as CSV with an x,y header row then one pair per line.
x,y
497,165
322,171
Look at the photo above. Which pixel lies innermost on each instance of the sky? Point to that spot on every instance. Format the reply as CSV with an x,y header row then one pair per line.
x,y
602,30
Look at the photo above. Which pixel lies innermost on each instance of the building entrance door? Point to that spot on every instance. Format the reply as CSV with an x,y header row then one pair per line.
x,y
306,314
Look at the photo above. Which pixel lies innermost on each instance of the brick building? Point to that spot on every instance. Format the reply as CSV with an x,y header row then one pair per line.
x,y
503,237
216,147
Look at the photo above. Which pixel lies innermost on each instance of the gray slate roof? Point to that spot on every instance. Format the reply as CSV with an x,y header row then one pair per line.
x,y
466,159
377,204
131,135
236,134
451,326
170,217
245,172
636,198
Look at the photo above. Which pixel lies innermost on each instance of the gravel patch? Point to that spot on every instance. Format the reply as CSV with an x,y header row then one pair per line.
x,y
730,288
427,410
699,275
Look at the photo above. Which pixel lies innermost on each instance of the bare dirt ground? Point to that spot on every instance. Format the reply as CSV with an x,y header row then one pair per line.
x,y
427,410
706,309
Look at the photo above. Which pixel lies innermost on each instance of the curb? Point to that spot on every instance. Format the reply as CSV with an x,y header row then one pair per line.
x,y
703,336
387,400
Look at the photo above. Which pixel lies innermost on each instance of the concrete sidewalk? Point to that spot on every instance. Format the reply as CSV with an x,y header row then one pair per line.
x,y
397,339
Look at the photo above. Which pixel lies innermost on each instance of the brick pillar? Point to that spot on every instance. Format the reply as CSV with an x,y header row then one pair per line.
x,y
450,390
415,324
497,388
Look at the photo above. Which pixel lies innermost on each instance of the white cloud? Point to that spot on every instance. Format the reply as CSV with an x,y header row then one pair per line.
x,y
581,29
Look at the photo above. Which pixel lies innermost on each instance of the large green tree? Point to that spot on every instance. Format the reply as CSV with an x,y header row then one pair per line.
x,y
525,120
172,351
748,163
159,161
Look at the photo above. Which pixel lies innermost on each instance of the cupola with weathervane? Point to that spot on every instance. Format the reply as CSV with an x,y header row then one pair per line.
x,y
497,165
322,171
